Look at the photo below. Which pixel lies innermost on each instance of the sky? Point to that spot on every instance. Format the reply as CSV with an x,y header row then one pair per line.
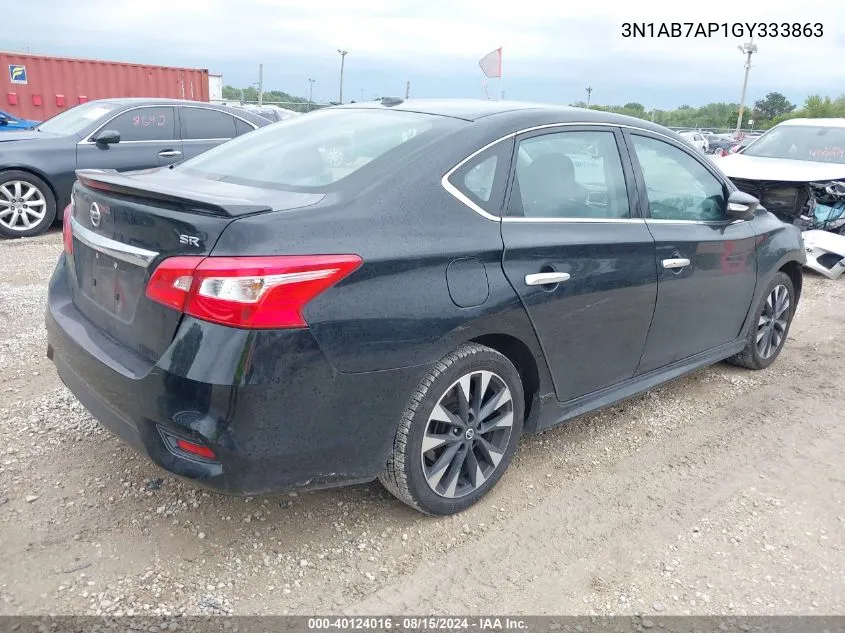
x,y
552,50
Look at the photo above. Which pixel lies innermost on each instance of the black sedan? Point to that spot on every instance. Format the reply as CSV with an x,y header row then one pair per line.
x,y
37,167
259,320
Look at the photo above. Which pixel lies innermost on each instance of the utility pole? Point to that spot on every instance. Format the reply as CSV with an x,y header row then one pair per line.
x,y
260,84
747,49
310,93
407,90
589,93
342,60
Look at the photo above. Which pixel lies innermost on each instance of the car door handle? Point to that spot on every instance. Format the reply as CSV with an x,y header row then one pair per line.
x,y
678,262
169,153
542,279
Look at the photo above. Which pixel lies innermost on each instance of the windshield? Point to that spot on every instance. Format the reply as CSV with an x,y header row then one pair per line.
x,y
76,119
317,149
804,142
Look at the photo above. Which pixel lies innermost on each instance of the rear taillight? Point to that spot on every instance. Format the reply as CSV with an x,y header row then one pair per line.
x,y
247,292
67,229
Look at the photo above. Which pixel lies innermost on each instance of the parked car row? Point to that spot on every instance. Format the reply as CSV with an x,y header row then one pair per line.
x,y
260,318
38,166
9,122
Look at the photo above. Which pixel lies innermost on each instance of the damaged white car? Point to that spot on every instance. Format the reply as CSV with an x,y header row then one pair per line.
x,y
797,171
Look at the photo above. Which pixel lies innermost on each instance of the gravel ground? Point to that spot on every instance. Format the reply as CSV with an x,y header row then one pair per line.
x,y
720,493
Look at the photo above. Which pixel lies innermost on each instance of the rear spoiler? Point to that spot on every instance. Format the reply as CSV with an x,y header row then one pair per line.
x,y
130,185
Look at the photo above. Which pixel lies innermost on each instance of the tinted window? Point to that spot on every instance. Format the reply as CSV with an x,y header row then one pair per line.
x,y
242,127
202,123
479,179
144,124
319,149
570,175
483,178
678,186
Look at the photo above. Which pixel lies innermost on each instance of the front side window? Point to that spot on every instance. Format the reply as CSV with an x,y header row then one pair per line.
x,y
204,123
319,149
145,124
678,186
570,175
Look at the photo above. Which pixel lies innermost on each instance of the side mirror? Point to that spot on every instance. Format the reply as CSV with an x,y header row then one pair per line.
x,y
741,206
107,137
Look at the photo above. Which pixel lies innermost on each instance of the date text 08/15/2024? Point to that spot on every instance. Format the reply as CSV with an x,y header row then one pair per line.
x,y
722,29
421,623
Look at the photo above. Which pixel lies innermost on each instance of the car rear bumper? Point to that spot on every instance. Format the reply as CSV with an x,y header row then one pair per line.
x,y
275,412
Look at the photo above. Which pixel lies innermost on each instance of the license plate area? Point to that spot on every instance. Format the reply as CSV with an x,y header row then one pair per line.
x,y
113,285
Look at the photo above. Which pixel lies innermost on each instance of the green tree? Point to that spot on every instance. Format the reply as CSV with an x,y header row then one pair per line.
x,y
771,106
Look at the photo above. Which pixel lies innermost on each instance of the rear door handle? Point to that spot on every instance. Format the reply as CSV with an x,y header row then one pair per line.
x,y
679,262
169,153
542,279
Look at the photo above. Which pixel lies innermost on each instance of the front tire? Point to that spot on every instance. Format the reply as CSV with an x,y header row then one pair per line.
x,y
770,326
27,205
458,432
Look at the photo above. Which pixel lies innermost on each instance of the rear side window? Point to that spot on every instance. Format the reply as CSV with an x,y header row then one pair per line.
x,y
320,149
203,123
483,178
145,124
242,127
570,175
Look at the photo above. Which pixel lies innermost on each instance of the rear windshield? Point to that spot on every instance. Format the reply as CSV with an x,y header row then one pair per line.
x,y
318,149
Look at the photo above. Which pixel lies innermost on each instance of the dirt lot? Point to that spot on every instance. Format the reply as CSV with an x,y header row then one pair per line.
x,y
723,492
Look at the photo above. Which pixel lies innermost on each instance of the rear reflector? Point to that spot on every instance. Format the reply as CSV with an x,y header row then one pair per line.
x,y
195,449
247,292
67,231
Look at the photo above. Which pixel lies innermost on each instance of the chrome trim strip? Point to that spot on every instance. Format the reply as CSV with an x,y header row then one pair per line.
x,y
574,220
707,222
124,252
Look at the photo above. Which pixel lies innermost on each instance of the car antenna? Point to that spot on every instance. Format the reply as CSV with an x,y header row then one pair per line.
x,y
391,101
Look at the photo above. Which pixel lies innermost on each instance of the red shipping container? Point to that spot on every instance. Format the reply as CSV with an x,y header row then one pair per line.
x,y
25,79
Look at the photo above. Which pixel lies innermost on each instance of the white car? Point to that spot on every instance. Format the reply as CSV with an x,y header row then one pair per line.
x,y
697,140
797,171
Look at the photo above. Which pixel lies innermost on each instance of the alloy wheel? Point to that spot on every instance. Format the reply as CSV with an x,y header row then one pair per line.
x,y
771,327
467,434
22,205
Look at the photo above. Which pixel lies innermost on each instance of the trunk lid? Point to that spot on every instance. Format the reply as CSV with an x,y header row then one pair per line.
x,y
124,225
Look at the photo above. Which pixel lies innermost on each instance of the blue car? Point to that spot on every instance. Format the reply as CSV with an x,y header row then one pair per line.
x,y
10,122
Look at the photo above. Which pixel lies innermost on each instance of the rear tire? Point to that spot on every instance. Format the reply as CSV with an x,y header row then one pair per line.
x,y
770,326
27,204
458,432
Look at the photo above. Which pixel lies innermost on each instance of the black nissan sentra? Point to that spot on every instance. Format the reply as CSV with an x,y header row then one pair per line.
x,y
261,318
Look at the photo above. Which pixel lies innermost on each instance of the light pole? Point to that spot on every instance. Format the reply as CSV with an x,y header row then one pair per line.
x,y
342,60
747,49
589,94
310,93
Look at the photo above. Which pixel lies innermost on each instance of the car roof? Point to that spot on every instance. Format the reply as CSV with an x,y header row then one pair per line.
x,y
480,109
250,115
815,122
153,100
